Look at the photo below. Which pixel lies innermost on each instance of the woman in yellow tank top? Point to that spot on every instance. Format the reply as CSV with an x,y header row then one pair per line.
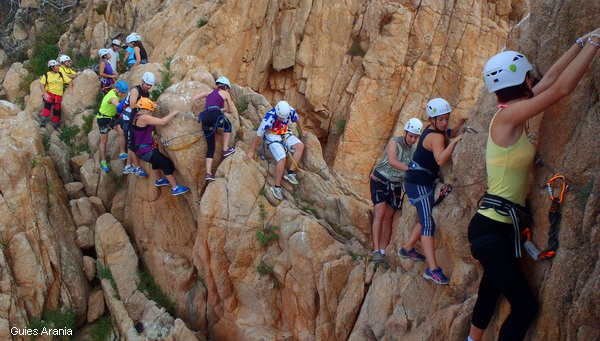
x,y
493,231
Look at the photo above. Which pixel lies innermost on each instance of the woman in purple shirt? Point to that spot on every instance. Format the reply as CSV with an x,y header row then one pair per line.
x,y
143,145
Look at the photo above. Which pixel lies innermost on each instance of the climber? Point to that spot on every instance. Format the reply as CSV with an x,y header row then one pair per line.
x,y
135,54
107,119
212,117
494,230
386,185
142,126
128,108
53,84
106,71
433,151
114,56
129,57
66,69
274,130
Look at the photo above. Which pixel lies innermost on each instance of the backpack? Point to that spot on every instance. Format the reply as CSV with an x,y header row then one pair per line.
x,y
59,73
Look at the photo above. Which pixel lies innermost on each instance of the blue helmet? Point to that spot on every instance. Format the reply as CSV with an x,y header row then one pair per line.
x,y
122,86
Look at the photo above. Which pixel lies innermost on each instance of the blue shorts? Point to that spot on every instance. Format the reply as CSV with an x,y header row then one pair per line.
x,y
422,198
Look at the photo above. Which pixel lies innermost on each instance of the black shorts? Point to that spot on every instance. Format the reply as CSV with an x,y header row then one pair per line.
x,y
214,119
389,193
158,161
106,124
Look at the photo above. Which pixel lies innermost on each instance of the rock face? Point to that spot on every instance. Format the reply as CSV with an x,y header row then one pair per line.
x,y
237,263
42,266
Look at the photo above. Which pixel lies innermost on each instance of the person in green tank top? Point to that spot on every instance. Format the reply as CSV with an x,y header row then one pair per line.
x,y
494,230
387,181
108,119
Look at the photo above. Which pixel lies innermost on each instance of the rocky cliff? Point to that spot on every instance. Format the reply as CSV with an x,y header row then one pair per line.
x,y
236,263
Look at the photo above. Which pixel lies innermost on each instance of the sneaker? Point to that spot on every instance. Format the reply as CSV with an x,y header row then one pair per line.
x,y
291,177
277,192
436,275
104,166
162,182
54,125
43,122
229,151
179,190
123,156
209,177
412,254
128,169
140,172
378,257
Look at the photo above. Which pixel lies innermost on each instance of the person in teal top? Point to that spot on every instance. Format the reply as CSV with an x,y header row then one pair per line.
x,y
494,230
108,119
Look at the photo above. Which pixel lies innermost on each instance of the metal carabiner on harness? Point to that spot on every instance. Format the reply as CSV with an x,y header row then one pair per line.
x,y
563,187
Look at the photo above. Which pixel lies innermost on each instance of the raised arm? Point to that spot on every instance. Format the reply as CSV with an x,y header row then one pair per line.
x,y
442,153
145,120
196,98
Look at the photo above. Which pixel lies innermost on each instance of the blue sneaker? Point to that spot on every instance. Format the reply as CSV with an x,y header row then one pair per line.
x,y
123,156
179,190
140,172
104,166
436,276
412,254
162,182
128,169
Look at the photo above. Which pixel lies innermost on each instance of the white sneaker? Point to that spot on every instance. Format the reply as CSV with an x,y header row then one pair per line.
x,y
291,178
277,192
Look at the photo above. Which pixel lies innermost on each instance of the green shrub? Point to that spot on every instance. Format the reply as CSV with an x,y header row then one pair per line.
x,y
267,235
154,292
44,45
103,272
356,49
264,269
202,22
101,8
243,106
262,212
102,329
46,142
166,81
55,318
340,125
83,61
68,134
88,123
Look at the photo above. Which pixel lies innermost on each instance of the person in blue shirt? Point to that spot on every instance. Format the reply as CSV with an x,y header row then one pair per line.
x,y
274,129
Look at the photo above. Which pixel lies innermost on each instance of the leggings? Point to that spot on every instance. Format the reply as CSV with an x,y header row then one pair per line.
x,y
158,161
53,103
422,198
502,274
211,120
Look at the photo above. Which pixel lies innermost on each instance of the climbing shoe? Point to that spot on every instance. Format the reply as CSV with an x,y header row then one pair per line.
x,y
128,169
412,254
277,192
179,190
378,257
229,151
54,125
104,166
291,177
436,275
162,182
140,172
209,177
43,122
123,156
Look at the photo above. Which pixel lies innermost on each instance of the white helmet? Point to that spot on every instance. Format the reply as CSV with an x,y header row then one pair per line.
x,y
148,78
414,125
504,70
64,58
437,107
224,81
283,109
133,37
116,42
52,63
103,52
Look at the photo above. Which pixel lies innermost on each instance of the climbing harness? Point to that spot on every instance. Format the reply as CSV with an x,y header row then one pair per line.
x,y
505,208
416,167
391,187
444,191
554,215
266,142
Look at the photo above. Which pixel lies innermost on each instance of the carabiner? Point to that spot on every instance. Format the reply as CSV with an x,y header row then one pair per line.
x,y
563,187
